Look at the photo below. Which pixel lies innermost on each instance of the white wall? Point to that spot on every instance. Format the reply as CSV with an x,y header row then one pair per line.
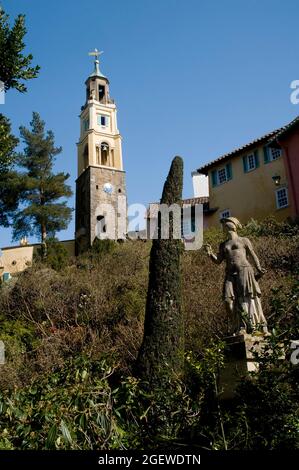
x,y
200,184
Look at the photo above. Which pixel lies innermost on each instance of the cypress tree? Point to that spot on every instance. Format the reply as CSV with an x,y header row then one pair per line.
x,y
162,349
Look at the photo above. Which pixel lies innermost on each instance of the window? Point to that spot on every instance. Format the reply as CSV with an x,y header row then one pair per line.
x,y
274,153
104,154
188,225
222,175
224,214
101,92
251,161
282,199
271,153
85,156
103,120
101,227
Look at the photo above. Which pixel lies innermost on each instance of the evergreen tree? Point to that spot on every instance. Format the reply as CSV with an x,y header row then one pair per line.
x,y
8,182
41,210
8,144
14,69
14,66
162,349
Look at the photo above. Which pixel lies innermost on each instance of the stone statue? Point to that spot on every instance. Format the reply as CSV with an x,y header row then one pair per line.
x,y
241,291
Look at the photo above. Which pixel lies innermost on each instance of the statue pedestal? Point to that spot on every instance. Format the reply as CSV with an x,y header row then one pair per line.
x,y
239,353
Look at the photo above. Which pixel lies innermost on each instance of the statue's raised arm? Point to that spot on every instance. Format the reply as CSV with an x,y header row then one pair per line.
x,y
216,258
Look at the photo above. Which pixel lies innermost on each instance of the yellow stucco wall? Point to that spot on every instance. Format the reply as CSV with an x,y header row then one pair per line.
x,y
16,259
248,195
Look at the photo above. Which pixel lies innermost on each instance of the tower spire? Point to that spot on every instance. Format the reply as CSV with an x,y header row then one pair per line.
x,y
96,54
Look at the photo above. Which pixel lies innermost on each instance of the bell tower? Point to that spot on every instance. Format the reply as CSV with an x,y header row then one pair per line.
x,y
101,178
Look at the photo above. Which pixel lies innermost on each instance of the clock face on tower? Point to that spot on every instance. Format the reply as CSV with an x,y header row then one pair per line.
x,y
108,188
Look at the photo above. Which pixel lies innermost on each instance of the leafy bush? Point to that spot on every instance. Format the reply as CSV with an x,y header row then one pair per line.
x,y
265,413
76,407
70,408
86,404
102,247
57,256
96,306
271,227
95,309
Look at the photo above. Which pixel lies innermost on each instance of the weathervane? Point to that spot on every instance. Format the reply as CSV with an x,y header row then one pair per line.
x,y
96,54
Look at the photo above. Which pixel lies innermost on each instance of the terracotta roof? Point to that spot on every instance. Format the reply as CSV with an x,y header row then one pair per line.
x,y
196,200
153,208
240,150
285,130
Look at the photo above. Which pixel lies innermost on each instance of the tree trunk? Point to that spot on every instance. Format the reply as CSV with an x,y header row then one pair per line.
x,y
44,244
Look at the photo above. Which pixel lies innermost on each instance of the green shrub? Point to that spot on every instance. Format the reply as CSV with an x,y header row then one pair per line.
x,y
57,256
265,412
76,407
48,318
69,409
271,227
102,247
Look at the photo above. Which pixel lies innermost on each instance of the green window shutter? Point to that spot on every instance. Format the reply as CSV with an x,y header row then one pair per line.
x,y
214,178
245,163
229,173
257,160
266,155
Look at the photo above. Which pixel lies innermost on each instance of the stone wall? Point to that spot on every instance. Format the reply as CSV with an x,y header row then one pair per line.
x,y
91,192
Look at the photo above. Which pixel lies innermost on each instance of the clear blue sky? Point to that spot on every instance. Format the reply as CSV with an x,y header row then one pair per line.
x,y
195,78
